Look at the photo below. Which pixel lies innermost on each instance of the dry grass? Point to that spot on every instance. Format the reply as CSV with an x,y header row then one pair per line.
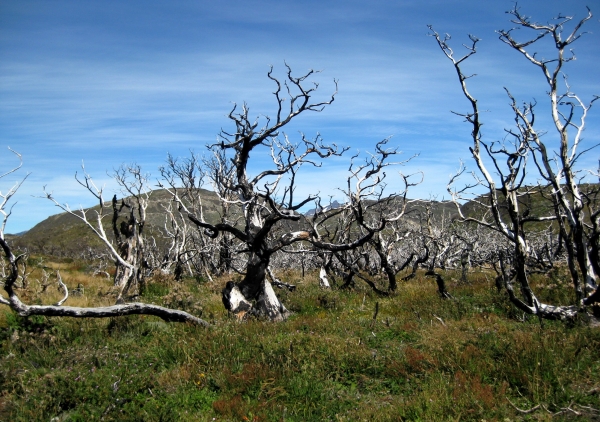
x,y
421,359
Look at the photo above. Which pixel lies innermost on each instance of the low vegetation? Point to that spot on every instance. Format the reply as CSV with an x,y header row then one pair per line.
x,y
490,311
341,356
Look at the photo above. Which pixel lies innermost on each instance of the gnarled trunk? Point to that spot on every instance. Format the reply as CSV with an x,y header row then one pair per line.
x,y
130,246
254,294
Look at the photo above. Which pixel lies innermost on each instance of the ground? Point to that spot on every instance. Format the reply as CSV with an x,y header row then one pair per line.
x,y
422,358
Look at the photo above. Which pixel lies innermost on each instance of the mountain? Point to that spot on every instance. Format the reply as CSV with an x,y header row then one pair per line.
x,y
334,205
66,235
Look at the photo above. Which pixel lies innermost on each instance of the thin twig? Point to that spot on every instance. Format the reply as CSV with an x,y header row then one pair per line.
x,y
525,412
439,319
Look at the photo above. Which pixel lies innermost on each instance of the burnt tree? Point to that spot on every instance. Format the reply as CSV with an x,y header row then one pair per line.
x,y
270,210
505,204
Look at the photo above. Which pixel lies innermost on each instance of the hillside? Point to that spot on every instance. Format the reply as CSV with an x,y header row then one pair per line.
x,y
533,202
65,235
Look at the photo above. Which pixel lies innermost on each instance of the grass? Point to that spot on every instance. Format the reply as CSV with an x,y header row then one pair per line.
x,y
421,359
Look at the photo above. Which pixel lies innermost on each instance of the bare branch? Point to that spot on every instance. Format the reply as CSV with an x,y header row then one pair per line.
x,y
64,287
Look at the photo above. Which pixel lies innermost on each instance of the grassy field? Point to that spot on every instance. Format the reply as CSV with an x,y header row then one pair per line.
x,y
421,358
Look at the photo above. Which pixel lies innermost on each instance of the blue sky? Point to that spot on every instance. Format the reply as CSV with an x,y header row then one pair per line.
x,y
111,82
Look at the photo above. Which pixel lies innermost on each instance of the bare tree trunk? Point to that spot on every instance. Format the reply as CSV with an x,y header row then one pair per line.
x,y
441,284
255,293
323,281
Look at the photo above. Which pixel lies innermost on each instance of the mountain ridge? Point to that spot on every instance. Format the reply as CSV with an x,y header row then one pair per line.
x,y
64,234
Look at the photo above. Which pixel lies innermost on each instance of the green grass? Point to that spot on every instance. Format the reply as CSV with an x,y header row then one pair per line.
x,y
421,359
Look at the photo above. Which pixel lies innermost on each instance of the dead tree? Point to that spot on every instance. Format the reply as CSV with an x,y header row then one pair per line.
x,y
220,172
256,195
385,242
128,218
369,210
129,232
569,113
502,194
387,247
267,199
184,179
177,253
13,301
502,207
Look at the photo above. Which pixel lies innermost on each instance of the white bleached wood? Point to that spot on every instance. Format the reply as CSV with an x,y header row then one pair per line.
x,y
269,305
323,281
